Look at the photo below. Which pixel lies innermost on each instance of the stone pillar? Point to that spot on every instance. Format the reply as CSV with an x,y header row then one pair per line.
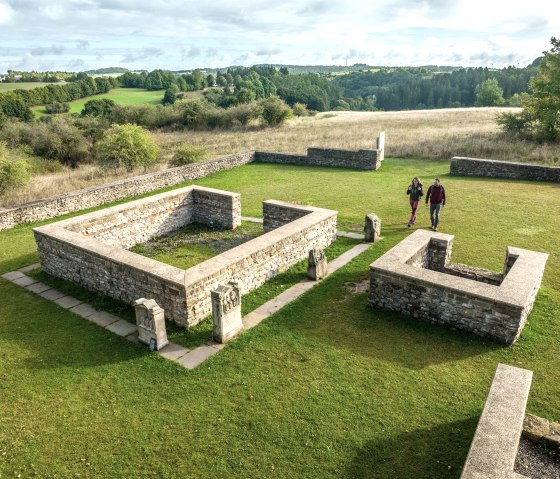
x,y
150,320
226,310
381,148
372,228
317,264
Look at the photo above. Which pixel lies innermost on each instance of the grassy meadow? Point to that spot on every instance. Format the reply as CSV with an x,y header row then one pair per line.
x,y
121,96
21,86
326,387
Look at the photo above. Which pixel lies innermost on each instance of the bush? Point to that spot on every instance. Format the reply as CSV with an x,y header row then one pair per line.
x,y
57,107
13,173
516,123
100,107
274,110
300,109
126,146
187,154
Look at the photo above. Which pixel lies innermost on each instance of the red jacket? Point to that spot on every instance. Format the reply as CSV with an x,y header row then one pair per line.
x,y
436,195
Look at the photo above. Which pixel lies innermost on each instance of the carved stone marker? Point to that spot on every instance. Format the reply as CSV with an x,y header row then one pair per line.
x,y
381,146
372,228
317,264
226,310
150,319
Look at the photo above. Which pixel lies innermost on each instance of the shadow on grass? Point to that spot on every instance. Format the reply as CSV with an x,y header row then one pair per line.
x,y
430,453
346,321
49,337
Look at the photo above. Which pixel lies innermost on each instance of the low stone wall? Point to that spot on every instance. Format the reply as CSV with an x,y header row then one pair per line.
x,y
88,250
359,159
99,195
503,169
494,447
254,262
417,278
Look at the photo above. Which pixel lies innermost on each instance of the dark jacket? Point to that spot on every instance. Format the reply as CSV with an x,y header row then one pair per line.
x,y
415,192
436,195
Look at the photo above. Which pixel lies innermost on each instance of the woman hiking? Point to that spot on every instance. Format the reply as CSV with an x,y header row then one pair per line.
x,y
414,192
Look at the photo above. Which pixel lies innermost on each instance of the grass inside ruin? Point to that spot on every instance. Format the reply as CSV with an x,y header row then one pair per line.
x,y
196,243
326,387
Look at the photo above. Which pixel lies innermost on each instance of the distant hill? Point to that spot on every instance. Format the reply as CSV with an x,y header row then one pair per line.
x,y
107,71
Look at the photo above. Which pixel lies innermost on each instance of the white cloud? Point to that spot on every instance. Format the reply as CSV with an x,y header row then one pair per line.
x,y
6,13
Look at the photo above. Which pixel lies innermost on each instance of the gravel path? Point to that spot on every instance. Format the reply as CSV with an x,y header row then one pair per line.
x,y
533,462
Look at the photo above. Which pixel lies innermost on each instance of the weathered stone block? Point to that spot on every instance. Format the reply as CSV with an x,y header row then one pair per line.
x,y
317,264
150,320
226,311
372,228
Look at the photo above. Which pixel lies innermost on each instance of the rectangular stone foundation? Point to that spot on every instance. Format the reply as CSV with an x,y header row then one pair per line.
x,y
417,278
90,250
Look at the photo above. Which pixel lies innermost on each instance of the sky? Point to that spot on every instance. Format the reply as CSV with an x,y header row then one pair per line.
x,y
77,35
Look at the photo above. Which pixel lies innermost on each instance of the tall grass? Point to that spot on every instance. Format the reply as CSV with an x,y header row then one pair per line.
x,y
427,134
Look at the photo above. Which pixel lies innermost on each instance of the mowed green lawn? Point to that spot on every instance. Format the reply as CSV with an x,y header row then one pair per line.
x,y
121,96
326,387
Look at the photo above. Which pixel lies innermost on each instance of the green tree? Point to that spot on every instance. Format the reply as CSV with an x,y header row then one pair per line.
x,y
103,107
245,95
170,95
127,146
544,103
489,93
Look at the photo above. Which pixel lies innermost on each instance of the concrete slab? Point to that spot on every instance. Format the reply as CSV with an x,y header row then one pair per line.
x,y
347,256
101,318
253,319
84,310
121,327
67,302
215,345
172,351
38,287
25,281
13,275
52,294
30,267
197,356
349,234
252,219
133,338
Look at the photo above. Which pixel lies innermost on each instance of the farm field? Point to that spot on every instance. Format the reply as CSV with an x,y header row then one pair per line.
x,y
122,96
22,86
326,387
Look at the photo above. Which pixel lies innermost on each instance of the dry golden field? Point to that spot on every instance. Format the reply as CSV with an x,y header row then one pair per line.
x,y
439,134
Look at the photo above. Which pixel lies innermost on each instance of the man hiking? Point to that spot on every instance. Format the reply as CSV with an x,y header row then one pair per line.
x,y
436,197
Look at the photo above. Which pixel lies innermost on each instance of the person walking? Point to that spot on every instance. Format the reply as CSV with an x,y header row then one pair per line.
x,y
414,192
436,197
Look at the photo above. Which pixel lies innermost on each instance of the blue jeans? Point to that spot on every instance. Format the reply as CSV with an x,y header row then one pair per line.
x,y
434,214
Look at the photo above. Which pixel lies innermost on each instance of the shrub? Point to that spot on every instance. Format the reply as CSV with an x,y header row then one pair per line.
x,y
57,107
13,173
187,154
516,123
300,109
126,146
100,107
274,110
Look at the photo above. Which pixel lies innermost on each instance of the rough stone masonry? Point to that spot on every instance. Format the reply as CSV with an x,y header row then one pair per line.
x,y
417,278
90,249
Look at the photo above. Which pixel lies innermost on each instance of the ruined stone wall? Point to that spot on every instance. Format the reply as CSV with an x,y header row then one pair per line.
x,y
280,213
417,278
503,169
254,262
359,159
88,250
99,195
